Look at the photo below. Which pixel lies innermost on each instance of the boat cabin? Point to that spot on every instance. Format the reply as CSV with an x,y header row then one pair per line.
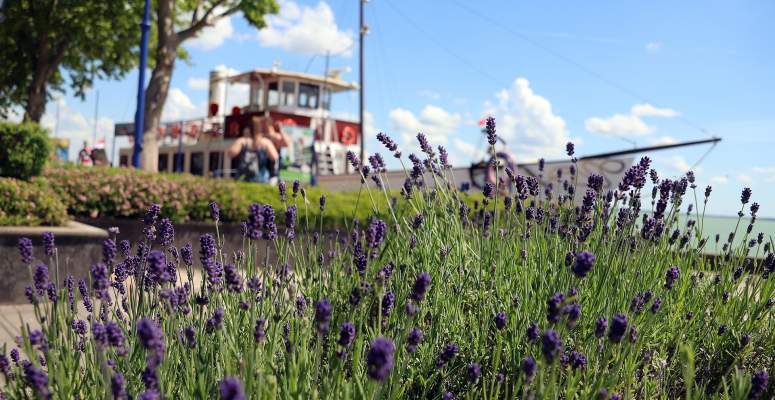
x,y
299,102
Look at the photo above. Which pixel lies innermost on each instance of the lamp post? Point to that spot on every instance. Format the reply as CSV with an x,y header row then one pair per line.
x,y
140,112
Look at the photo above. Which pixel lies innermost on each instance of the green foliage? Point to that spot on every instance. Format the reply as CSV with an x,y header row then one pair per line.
x,y
32,203
43,41
24,149
127,193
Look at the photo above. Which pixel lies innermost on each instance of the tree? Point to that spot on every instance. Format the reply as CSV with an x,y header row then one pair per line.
x,y
176,22
42,41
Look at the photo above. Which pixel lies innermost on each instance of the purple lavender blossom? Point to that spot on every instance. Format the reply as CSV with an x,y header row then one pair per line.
x,y
447,354
118,387
37,379
108,251
570,149
230,388
551,344
346,334
500,320
151,337
532,332
420,287
578,360
529,367
553,307
25,250
152,214
671,276
40,278
413,339
489,128
379,359
388,301
323,310
473,372
584,261
618,328
387,142
48,244
759,382
166,232
745,195
215,212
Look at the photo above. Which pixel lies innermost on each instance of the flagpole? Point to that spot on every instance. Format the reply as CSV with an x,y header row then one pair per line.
x,y
140,112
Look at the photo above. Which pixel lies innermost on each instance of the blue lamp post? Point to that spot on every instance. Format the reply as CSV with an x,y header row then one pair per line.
x,y
140,112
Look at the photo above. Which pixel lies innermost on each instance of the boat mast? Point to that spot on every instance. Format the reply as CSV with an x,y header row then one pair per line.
x,y
363,31
714,140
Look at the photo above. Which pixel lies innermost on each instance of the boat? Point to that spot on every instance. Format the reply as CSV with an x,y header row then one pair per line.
x,y
299,102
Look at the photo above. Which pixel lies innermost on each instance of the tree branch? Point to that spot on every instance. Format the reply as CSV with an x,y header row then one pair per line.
x,y
204,21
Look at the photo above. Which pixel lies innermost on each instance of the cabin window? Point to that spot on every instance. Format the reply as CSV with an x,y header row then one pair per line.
x,y
197,163
179,159
123,161
308,95
326,100
215,164
164,159
289,93
273,96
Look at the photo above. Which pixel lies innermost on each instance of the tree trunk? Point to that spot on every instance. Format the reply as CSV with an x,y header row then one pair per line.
x,y
156,93
36,92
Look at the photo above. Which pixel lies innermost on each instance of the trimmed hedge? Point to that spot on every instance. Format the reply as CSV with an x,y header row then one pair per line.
x,y
29,203
24,150
127,193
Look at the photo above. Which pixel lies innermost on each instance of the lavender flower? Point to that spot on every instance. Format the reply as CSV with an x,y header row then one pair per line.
x,y
618,328
570,149
420,287
500,320
413,339
25,250
230,388
387,141
550,344
48,244
323,315
529,367
322,203
379,359
215,212
759,382
578,360
166,232
671,276
490,130
553,307
745,195
124,247
583,264
38,380
473,372
532,332
151,336
447,354
152,214
260,331
118,387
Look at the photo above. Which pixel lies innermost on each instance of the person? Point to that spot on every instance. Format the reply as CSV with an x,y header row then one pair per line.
x,y
84,156
256,155
279,139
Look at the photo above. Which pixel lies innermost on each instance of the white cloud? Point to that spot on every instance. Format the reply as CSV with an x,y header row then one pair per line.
x,y
647,110
720,180
526,121
630,124
213,36
306,30
747,179
179,107
198,83
769,172
469,149
222,67
653,47
435,122
662,140
74,125
678,165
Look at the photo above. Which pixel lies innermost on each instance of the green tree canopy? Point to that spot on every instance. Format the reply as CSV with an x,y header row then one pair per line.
x,y
48,45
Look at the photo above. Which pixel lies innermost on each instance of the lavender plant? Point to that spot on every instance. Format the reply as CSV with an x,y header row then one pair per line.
x,y
441,294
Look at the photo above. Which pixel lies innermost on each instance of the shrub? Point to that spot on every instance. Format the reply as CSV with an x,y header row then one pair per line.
x,y
127,193
24,149
532,298
29,203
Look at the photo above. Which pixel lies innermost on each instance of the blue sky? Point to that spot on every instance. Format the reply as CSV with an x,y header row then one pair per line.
x,y
603,74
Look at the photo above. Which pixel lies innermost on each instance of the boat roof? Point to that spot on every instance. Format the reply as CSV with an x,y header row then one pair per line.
x,y
334,83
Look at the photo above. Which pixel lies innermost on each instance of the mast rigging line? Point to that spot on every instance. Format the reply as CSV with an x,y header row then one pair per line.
x,y
570,61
